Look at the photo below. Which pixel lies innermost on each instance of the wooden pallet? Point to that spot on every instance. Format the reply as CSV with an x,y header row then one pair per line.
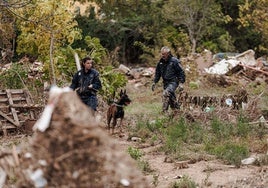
x,y
17,110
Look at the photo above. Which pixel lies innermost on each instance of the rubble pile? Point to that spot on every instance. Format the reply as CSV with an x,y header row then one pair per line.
x,y
243,65
73,151
235,101
226,107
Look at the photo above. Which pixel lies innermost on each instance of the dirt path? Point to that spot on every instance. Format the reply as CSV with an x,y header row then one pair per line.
x,y
205,173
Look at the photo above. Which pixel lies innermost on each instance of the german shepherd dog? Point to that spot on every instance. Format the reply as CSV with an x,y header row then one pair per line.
x,y
116,110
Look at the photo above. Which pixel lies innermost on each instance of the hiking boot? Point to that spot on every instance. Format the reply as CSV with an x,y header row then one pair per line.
x,y
165,104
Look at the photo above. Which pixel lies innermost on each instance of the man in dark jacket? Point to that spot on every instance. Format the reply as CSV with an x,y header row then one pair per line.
x,y
86,83
172,73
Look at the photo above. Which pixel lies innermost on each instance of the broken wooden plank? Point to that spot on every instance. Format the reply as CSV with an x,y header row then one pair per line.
x,y
29,102
13,91
33,106
9,119
14,99
14,113
252,68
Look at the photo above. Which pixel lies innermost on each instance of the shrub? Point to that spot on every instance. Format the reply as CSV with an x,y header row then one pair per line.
x,y
184,182
231,153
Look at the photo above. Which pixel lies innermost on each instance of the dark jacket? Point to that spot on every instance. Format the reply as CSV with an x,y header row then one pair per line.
x,y
81,80
170,71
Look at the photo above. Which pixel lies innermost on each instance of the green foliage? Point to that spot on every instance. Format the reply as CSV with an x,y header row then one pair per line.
x,y
112,81
95,49
137,155
145,166
15,77
193,85
252,15
226,43
134,153
7,34
157,124
184,182
222,43
46,27
196,133
243,129
220,129
230,142
136,34
178,130
196,16
65,65
176,135
231,153
177,39
41,25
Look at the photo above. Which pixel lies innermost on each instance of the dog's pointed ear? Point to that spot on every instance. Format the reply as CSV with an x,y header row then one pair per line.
x,y
121,92
125,92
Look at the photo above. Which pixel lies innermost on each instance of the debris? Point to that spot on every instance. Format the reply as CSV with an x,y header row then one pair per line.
x,y
54,94
124,69
177,177
3,176
17,110
135,139
222,67
124,182
181,164
248,161
38,178
74,151
229,102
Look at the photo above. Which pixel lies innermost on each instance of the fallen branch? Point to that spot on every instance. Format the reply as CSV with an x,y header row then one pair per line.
x,y
258,122
249,67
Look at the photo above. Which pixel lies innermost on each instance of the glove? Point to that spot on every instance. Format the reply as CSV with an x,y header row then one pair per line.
x,y
153,86
180,87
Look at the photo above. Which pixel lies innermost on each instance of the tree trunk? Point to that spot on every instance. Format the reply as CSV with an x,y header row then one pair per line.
x,y
51,59
193,45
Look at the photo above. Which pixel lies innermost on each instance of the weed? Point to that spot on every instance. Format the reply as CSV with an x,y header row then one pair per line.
x,y
155,180
153,140
221,129
231,153
243,129
184,182
158,124
196,133
144,166
137,155
134,153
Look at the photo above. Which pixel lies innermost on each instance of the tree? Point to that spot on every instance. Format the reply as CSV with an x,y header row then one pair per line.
x,y
196,16
45,27
129,28
7,28
254,14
